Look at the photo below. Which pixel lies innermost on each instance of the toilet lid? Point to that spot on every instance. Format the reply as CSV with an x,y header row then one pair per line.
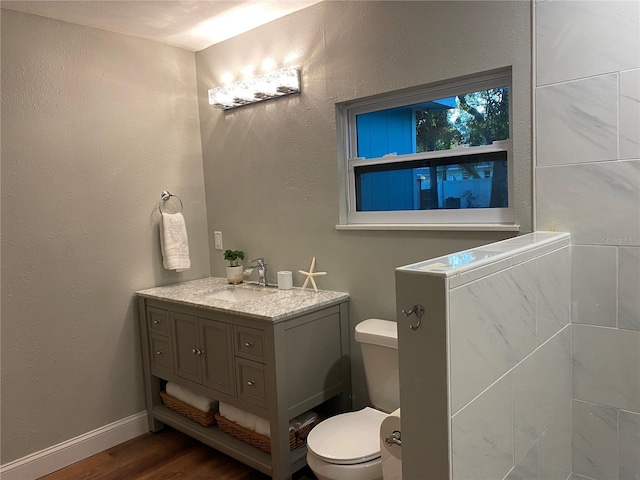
x,y
348,438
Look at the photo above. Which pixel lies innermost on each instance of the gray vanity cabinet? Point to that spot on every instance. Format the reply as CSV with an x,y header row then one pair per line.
x,y
203,351
274,368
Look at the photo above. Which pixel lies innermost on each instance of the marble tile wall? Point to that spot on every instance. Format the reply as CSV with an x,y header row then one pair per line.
x,y
576,123
594,300
606,442
510,371
500,319
579,39
587,176
628,288
628,445
598,203
594,440
606,366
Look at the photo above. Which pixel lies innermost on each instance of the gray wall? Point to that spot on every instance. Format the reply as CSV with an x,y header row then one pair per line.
x,y
94,126
588,184
271,169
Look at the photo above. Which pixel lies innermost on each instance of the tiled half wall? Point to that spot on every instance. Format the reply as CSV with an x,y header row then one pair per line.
x,y
506,329
510,369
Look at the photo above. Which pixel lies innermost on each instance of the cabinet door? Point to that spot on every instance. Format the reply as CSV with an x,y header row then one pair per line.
x,y
186,354
217,356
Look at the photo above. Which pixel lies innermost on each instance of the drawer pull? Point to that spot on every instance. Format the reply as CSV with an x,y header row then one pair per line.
x,y
159,352
195,351
248,344
156,322
251,383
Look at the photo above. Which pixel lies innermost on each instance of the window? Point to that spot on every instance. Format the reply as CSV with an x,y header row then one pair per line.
x,y
434,155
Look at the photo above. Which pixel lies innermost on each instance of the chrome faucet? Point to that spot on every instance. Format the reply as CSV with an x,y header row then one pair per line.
x,y
262,271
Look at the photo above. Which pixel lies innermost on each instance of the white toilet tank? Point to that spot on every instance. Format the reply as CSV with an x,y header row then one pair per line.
x,y
378,341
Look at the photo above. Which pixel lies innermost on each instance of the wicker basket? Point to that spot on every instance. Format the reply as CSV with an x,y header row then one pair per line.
x,y
206,419
249,436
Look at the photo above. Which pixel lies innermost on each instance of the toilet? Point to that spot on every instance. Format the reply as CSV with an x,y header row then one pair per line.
x,y
347,446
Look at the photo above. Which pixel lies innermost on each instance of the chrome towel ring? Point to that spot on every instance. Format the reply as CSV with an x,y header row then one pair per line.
x,y
165,196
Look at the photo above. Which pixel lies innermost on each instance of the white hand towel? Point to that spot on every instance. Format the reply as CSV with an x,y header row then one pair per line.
x,y
261,425
247,420
174,242
191,398
303,420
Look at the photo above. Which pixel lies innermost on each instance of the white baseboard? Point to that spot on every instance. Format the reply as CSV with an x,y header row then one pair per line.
x,y
64,454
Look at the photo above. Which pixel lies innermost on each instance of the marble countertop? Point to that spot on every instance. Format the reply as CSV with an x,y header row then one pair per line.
x,y
277,305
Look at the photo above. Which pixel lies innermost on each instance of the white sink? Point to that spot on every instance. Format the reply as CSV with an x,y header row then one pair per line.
x,y
237,294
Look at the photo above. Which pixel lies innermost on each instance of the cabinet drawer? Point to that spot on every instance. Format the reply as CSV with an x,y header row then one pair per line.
x,y
158,321
251,381
161,354
249,343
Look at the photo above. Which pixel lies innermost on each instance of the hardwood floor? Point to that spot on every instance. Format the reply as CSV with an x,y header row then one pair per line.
x,y
167,454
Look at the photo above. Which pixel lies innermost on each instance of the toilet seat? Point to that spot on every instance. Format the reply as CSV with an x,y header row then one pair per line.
x,y
348,438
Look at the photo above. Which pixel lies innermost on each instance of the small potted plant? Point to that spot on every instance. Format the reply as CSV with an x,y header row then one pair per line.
x,y
234,270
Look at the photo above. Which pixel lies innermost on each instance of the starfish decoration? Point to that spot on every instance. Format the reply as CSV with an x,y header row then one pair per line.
x,y
310,274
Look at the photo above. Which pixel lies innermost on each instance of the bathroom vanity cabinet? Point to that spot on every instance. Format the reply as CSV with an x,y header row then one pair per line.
x,y
277,357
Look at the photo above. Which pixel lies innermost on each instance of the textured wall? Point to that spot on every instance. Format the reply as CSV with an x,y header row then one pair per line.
x,y
588,183
94,126
271,170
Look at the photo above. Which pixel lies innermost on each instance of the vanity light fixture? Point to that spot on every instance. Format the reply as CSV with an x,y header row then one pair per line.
x,y
262,87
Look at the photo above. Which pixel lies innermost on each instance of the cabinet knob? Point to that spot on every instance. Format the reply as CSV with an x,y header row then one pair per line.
x,y
248,344
251,383
200,352
159,352
155,322
194,351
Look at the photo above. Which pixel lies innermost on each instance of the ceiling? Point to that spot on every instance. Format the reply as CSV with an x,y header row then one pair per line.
x,y
189,24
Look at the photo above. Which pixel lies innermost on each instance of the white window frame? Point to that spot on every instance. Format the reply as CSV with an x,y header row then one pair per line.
x,y
441,219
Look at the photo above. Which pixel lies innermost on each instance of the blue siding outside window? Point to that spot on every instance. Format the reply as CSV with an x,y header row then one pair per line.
x,y
381,133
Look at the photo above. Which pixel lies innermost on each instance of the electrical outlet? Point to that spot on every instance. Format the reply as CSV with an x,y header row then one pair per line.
x,y
217,240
